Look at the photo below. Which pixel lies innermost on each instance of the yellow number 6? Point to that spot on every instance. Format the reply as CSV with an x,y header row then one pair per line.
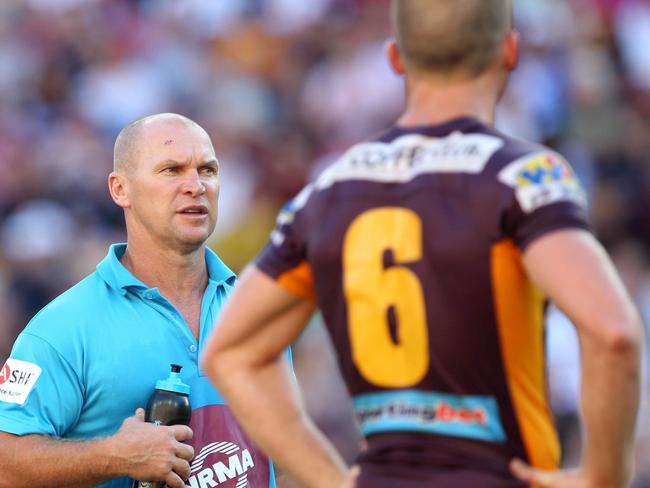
x,y
371,290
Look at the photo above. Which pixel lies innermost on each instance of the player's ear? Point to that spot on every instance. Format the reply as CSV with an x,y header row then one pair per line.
x,y
394,57
117,185
511,50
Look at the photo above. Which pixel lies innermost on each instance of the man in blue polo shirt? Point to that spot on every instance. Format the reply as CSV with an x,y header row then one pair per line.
x,y
91,357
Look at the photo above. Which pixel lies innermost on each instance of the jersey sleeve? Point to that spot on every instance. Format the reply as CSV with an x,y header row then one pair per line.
x,y
285,256
545,196
40,392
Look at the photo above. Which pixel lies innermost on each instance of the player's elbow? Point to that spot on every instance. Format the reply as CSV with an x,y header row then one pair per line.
x,y
620,332
625,340
209,365
205,363
216,362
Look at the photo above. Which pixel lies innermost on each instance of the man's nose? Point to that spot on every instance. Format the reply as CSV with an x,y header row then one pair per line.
x,y
193,184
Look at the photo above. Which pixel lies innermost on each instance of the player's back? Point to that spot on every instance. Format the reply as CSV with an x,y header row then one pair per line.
x,y
412,243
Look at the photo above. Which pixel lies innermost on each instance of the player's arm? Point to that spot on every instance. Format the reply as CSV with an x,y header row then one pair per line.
x,y
245,360
574,271
138,450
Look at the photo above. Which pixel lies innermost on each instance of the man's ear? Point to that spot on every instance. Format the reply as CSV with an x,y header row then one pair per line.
x,y
117,185
394,57
511,50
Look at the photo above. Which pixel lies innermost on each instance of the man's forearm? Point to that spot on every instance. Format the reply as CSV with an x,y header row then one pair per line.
x,y
267,404
35,460
610,398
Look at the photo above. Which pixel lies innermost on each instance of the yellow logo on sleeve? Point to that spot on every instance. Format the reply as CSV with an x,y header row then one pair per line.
x,y
541,179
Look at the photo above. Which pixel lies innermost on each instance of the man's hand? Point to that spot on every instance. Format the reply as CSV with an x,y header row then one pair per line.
x,y
570,478
154,452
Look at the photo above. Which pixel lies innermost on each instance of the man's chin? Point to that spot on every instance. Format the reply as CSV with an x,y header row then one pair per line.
x,y
192,241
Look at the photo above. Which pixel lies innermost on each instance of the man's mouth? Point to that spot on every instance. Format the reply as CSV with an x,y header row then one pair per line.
x,y
194,210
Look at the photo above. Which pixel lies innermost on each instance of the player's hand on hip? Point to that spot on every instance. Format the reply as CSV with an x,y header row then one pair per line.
x,y
154,452
569,478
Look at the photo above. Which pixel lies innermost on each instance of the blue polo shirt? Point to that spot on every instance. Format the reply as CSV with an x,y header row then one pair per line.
x,y
88,359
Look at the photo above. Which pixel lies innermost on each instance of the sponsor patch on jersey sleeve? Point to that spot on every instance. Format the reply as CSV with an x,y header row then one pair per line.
x,y
17,378
541,179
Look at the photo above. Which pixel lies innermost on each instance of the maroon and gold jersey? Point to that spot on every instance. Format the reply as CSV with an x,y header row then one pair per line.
x,y
411,247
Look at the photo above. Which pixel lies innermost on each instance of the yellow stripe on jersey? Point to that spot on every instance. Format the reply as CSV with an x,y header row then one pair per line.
x,y
519,313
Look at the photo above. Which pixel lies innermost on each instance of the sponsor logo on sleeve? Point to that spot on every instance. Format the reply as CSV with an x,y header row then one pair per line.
x,y
541,179
17,378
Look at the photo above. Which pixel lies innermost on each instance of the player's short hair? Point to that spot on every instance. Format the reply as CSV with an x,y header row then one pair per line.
x,y
448,36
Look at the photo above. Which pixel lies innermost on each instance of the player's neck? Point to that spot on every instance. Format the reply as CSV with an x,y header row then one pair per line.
x,y
177,275
434,101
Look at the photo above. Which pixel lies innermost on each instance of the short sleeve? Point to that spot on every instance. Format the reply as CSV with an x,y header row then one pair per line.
x,y
285,256
545,196
40,393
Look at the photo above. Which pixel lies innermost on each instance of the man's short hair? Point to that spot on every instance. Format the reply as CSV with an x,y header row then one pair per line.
x,y
126,148
128,141
450,36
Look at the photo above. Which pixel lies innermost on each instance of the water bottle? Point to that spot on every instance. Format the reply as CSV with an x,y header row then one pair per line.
x,y
169,404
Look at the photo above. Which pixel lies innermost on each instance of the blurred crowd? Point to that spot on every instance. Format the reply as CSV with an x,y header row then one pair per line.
x,y
283,86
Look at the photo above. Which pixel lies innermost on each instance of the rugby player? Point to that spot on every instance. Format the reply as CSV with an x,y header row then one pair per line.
x,y
431,251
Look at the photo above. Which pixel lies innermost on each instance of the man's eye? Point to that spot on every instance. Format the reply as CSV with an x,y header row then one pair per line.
x,y
171,170
209,170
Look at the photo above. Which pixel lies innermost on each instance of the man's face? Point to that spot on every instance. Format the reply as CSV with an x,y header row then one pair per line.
x,y
173,186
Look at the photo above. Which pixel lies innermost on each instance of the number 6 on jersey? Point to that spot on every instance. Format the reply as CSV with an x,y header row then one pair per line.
x,y
371,289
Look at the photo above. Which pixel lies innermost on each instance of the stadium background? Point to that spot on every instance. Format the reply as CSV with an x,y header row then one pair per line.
x,y
283,86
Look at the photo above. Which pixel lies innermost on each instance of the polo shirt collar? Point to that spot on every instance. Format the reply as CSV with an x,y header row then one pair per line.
x,y
115,274
217,270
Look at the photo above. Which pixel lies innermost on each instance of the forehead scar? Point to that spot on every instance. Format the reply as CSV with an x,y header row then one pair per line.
x,y
168,142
